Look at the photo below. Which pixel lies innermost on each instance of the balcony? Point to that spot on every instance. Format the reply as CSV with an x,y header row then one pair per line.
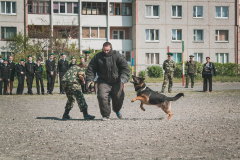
x,y
120,21
39,19
121,44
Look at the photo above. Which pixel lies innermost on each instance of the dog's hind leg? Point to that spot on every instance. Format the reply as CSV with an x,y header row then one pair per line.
x,y
166,108
141,106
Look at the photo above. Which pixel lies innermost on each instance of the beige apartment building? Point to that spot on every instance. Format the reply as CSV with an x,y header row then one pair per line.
x,y
146,28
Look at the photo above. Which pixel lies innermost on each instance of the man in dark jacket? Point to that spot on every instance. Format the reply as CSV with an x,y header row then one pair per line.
x,y
38,69
5,74
20,70
12,68
113,72
29,74
51,73
61,70
208,71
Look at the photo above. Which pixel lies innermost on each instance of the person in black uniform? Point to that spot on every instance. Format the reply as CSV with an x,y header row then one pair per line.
x,y
20,70
73,59
51,73
38,68
61,70
12,68
29,66
5,74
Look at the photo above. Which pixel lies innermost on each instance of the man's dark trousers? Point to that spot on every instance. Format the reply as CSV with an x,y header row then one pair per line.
x,y
39,78
20,84
50,82
209,78
115,90
191,75
30,78
61,74
3,81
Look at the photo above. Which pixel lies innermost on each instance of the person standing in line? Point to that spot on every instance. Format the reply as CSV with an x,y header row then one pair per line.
x,y
208,71
113,71
51,73
38,68
73,62
84,68
62,68
12,68
29,66
87,60
21,74
191,71
5,75
169,68
1,60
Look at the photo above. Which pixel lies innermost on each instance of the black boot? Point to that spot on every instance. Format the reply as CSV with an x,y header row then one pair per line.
x,y
65,115
87,116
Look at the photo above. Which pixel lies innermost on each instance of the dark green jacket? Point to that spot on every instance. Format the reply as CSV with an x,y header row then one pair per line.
x,y
192,67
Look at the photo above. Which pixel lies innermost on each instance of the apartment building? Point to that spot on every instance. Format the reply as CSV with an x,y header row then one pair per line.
x,y
148,28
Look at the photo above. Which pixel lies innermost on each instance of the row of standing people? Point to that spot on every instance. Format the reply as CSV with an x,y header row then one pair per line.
x,y
27,71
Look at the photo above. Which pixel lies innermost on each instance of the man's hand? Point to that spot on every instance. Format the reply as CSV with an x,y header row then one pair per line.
x,y
8,80
21,72
51,73
89,84
25,77
195,73
123,84
82,79
57,74
0,79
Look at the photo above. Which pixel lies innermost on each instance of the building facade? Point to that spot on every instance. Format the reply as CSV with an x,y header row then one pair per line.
x,y
148,28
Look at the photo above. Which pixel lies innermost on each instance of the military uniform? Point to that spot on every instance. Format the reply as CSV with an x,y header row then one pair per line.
x,y
50,67
71,85
20,68
62,68
38,74
168,67
192,69
72,64
5,75
30,75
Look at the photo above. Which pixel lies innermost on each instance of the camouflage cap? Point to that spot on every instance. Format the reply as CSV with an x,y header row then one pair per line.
x,y
169,53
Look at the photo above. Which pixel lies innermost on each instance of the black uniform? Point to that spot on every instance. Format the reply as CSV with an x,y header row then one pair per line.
x,y
5,74
30,75
12,68
18,69
70,65
38,74
50,66
61,70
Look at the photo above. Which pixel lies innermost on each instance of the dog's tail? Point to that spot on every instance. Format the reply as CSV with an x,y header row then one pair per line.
x,y
179,95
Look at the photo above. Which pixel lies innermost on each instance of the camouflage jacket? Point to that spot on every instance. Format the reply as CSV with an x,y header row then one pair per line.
x,y
192,67
72,75
169,66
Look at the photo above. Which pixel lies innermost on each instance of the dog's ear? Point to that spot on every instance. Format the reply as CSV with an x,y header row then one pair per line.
x,y
142,79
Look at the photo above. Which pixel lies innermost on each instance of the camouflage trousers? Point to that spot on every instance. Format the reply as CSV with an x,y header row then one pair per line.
x,y
167,77
74,90
191,75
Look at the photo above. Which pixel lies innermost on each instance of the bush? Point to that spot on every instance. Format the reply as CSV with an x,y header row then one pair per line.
x,y
142,74
155,71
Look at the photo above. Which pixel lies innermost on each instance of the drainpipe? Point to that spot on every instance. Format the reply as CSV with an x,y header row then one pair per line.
x,y
236,29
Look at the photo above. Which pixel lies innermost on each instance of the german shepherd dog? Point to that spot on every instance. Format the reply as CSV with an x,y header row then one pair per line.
x,y
150,97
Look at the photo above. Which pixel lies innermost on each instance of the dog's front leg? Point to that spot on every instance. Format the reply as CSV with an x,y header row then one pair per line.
x,y
137,98
141,106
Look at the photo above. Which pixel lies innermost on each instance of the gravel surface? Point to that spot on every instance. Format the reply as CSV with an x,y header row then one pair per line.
x,y
203,126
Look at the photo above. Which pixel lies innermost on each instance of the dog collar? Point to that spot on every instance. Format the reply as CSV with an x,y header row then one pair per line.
x,y
143,88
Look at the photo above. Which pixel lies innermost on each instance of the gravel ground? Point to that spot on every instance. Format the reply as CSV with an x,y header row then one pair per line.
x,y
203,126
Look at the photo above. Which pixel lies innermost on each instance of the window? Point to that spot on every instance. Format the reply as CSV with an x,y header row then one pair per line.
x,y
8,7
6,54
152,11
197,11
8,32
176,35
152,34
126,55
177,11
197,35
198,57
152,58
222,57
177,57
221,12
123,9
65,7
118,34
221,36
94,8
38,7
94,32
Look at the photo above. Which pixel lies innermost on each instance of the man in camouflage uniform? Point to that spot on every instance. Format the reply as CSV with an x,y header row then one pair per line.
x,y
169,67
192,69
71,85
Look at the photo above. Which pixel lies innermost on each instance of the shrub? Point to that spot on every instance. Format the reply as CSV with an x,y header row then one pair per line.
x,y
155,71
142,74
